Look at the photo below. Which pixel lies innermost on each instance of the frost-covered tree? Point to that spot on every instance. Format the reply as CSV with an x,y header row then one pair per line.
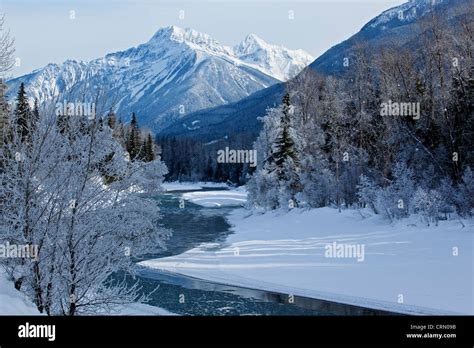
x,y
284,155
284,145
54,196
465,194
367,192
23,113
263,186
4,110
349,151
394,200
7,48
276,181
316,180
428,204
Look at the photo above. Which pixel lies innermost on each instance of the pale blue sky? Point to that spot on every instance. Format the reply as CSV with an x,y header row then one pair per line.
x,y
44,31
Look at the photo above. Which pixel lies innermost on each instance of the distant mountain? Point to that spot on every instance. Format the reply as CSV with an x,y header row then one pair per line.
x,y
398,23
276,61
176,72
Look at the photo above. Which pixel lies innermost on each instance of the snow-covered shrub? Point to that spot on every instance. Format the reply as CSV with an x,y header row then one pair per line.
x,y
448,192
367,192
428,204
316,190
388,203
394,200
465,194
263,190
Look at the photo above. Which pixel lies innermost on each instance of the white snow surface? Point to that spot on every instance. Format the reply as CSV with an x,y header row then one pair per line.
x,y
285,252
209,199
189,186
13,302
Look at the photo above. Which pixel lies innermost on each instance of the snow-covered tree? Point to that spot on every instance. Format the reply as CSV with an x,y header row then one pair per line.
x,y
4,110
263,186
276,181
6,49
54,195
394,200
465,194
367,192
23,113
349,151
316,180
428,204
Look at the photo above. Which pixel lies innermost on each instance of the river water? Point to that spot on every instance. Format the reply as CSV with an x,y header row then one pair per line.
x,y
187,296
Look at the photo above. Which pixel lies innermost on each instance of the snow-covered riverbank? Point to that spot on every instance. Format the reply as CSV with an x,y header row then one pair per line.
x,y
233,197
190,186
406,267
13,302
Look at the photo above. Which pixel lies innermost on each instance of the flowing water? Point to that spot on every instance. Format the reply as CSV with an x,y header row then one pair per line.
x,y
183,295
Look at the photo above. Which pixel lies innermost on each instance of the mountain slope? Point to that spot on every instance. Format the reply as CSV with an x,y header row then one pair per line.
x,y
223,121
176,72
276,61
398,23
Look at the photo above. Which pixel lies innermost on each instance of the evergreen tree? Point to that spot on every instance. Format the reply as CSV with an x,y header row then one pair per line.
x,y
23,112
62,123
284,145
285,156
133,142
149,149
36,113
111,119
209,169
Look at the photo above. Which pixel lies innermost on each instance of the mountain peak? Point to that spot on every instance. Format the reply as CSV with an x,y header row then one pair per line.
x,y
274,60
250,44
184,35
177,66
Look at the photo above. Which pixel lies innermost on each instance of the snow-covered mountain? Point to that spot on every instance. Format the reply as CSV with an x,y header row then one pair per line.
x,y
405,13
242,117
276,61
400,23
176,72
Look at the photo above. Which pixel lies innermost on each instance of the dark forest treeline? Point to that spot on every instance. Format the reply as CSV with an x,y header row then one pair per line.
x,y
190,159
139,143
